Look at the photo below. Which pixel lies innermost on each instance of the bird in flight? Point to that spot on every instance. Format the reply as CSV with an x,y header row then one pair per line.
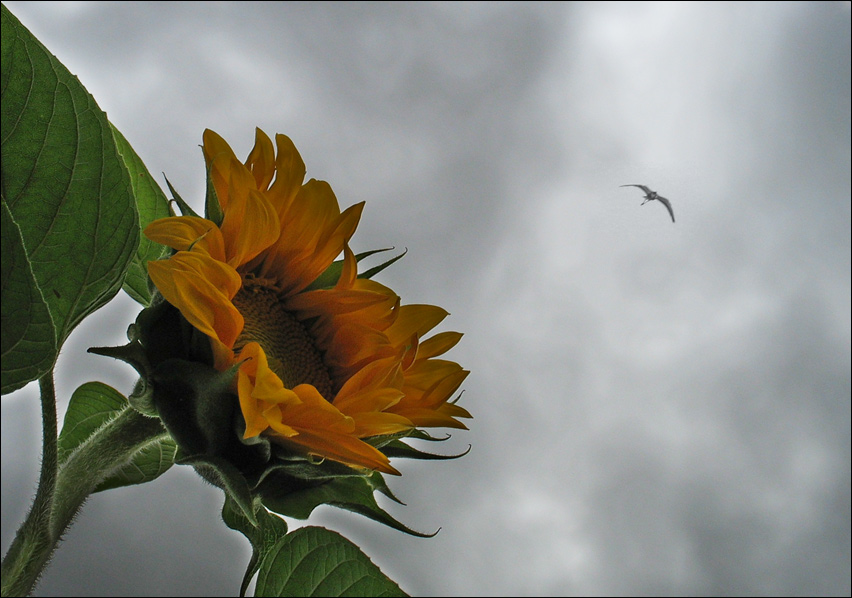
x,y
649,195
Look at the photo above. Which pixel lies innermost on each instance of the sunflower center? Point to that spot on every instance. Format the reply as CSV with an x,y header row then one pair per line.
x,y
290,350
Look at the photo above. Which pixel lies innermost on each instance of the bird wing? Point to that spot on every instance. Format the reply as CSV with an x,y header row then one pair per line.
x,y
643,187
668,205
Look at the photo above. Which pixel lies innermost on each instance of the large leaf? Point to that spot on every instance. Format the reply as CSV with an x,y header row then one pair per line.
x,y
94,410
63,181
314,561
28,344
151,203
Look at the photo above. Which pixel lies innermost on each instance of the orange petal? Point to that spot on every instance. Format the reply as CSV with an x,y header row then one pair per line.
x,y
290,173
220,158
251,408
369,400
343,448
202,289
430,418
414,319
438,344
261,160
349,273
383,373
250,225
185,232
215,146
424,374
378,424
316,412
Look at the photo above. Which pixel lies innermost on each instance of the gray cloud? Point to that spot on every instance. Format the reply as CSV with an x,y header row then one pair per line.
x,y
659,408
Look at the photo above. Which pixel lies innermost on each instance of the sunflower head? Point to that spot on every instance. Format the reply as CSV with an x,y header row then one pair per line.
x,y
268,350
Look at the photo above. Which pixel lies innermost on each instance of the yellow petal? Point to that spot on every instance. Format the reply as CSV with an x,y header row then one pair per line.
x,y
250,226
316,412
349,273
251,408
275,419
424,374
430,418
202,289
220,159
214,146
378,424
261,160
185,232
383,373
440,392
335,239
414,319
370,401
344,448
313,234
290,173
438,344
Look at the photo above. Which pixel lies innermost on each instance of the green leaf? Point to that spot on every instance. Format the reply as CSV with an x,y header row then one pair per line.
x,y
314,561
148,464
151,204
101,436
263,536
93,408
28,344
63,181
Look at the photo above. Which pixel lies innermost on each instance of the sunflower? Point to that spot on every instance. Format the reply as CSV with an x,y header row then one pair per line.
x,y
326,360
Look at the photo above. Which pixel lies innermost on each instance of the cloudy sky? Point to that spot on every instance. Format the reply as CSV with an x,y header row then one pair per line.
x,y
659,408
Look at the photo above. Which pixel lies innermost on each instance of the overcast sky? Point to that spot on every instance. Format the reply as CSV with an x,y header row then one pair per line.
x,y
659,408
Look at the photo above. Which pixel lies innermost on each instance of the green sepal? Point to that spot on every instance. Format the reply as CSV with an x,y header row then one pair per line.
x,y
399,449
304,468
196,403
262,536
159,334
225,475
392,446
354,493
376,269
185,208
331,275
134,354
212,207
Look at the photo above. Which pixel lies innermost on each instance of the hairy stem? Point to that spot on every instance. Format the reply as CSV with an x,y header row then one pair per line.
x,y
34,542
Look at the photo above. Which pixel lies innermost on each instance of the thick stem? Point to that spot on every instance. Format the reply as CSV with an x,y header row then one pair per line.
x,y
107,451
34,542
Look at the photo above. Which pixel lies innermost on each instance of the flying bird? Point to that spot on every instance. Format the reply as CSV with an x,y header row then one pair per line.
x,y
649,195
